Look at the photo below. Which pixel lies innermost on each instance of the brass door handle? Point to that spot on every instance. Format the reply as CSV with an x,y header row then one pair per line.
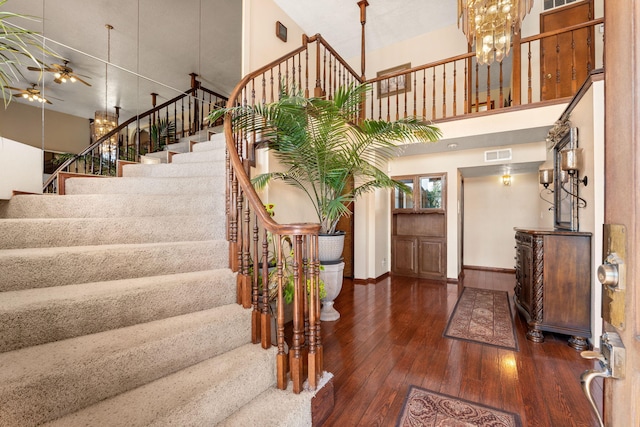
x,y
548,76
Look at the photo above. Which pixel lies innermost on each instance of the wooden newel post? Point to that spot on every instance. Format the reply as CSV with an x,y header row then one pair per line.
x,y
317,91
363,20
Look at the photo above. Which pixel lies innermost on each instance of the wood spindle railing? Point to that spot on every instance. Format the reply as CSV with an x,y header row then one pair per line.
x,y
253,243
125,142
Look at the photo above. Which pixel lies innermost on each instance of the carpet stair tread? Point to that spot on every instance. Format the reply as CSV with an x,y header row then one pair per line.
x,y
163,170
44,382
203,394
33,267
147,185
274,408
107,205
36,316
40,232
213,155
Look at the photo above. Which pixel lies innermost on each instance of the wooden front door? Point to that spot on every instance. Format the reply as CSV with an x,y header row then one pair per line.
x,y
566,58
622,187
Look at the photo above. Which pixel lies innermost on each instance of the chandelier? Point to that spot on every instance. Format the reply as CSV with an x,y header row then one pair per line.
x,y
490,24
103,123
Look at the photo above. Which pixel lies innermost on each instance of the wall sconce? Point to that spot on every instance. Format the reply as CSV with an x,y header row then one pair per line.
x,y
506,179
546,179
572,163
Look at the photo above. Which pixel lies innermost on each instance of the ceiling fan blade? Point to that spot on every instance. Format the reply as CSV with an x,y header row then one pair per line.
x,y
15,88
49,69
80,80
57,80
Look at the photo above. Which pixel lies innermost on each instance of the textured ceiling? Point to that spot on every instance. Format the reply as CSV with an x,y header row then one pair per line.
x,y
388,21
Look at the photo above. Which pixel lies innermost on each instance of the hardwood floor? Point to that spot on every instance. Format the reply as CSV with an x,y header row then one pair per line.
x,y
389,337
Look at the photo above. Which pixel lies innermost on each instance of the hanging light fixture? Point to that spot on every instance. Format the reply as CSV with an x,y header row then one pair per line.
x,y
490,24
105,121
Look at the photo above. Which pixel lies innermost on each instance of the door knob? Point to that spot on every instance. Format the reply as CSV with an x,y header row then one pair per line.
x,y
611,273
548,76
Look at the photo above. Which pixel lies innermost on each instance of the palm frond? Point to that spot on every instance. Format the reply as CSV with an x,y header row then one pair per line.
x,y
16,49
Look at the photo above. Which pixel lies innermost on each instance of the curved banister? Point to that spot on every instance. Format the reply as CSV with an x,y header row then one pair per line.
x,y
244,180
248,255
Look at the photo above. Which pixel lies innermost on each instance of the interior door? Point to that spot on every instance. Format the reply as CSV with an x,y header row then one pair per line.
x,y
566,58
622,145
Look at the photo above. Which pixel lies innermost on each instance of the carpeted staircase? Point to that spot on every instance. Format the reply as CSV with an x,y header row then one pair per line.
x,y
117,307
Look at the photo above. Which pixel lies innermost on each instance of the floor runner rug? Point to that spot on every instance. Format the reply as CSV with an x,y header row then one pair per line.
x,y
483,316
425,408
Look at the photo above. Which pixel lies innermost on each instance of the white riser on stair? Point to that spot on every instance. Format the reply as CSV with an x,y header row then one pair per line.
x,y
214,155
44,267
37,316
44,382
46,233
107,205
202,395
145,185
173,169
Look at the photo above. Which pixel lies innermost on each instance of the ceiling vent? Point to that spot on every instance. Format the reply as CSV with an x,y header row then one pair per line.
x,y
497,155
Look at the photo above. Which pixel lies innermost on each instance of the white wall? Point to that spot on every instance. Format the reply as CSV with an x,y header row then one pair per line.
x,y
491,212
20,168
260,44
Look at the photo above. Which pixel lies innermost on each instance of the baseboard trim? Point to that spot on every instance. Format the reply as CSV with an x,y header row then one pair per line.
x,y
370,281
490,269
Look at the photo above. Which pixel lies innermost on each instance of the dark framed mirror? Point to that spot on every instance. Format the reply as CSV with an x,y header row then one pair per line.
x,y
566,208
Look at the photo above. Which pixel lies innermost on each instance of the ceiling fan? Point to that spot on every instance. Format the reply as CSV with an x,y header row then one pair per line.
x,y
31,93
63,73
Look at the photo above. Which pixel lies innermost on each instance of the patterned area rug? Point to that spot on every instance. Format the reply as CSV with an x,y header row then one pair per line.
x,y
426,408
483,316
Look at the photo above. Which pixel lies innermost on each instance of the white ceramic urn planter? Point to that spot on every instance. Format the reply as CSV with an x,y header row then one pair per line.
x,y
331,275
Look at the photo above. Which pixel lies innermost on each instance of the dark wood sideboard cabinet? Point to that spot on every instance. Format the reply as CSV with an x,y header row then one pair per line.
x,y
553,283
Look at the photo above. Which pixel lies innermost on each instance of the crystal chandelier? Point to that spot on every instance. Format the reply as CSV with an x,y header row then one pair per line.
x,y
103,123
490,23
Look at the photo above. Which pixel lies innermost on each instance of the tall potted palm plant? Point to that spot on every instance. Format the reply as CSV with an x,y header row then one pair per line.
x,y
324,146
326,149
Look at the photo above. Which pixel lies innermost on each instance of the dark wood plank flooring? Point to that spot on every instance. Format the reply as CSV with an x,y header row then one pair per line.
x,y
389,337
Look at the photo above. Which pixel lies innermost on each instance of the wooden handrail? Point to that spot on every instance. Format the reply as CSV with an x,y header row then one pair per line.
x,y
344,63
562,30
422,67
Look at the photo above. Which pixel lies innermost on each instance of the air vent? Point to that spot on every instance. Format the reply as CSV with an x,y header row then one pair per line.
x,y
497,155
